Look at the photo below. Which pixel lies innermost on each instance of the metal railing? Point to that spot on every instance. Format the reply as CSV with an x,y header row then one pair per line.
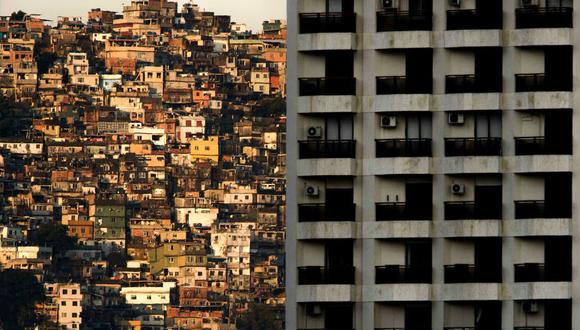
x,y
540,210
403,148
315,275
327,86
472,147
404,212
470,83
472,211
403,85
547,17
404,21
536,145
327,23
327,149
540,82
537,272
464,273
471,19
393,274
322,212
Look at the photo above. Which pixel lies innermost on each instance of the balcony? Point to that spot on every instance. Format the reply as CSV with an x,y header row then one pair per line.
x,y
536,272
320,212
471,19
540,82
469,83
463,273
327,86
541,18
388,21
316,275
456,147
536,145
403,148
539,210
312,149
396,274
471,211
404,211
403,85
327,23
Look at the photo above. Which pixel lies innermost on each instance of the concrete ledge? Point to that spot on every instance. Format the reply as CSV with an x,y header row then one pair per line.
x,y
327,167
397,165
539,100
472,291
472,164
327,104
397,229
471,228
327,230
399,40
403,102
473,38
541,290
540,163
324,293
537,227
326,41
468,101
397,292
538,37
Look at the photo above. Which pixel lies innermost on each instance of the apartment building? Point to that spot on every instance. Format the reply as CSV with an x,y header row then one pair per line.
x,y
431,168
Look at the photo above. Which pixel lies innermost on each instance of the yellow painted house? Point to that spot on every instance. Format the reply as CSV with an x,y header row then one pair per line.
x,y
205,149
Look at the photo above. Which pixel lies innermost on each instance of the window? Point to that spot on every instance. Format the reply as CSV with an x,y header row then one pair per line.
x,y
64,291
75,315
63,303
74,291
75,303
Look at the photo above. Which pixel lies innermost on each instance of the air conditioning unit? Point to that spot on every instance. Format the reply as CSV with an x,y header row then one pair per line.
x,y
456,119
389,4
314,132
388,121
455,3
313,309
458,189
312,191
530,307
529,3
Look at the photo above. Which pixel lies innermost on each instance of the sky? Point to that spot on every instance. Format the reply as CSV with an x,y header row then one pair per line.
x,y
251,12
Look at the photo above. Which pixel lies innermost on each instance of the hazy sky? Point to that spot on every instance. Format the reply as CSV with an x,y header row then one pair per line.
x,y
252,12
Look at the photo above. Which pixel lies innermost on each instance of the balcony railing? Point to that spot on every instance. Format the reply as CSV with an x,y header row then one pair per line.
x,y
315,275
455,147
536,272
404,211
469,83
403,85
463,273
404,21
327,149
327,86
471,19
550,17
536,145
471,211
327,23
403,148
394,274
323,212
540,82
539,210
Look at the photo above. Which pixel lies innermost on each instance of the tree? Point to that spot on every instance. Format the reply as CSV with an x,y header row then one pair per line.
x,y
259,317
19,294
18,16
55,236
